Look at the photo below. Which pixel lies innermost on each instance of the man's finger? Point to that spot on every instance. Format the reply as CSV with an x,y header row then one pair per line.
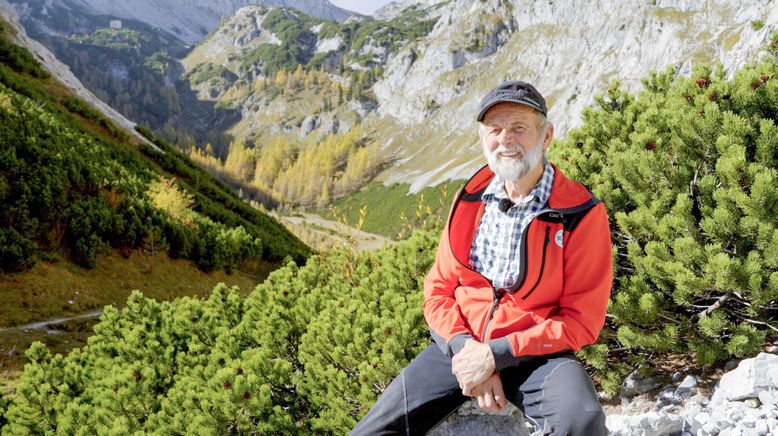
x,y
499,394
466,388
499,401
488,401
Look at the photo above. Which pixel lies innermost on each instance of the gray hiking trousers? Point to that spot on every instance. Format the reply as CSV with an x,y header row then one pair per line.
x,y
554,391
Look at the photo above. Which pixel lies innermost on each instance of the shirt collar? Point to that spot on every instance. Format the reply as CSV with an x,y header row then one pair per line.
x,y
495,191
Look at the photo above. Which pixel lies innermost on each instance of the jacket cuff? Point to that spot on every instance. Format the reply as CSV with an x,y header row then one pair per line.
x,y
503,355
455,345
458,342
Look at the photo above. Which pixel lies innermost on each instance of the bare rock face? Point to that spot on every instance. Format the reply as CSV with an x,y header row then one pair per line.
x,y
570,53
310,123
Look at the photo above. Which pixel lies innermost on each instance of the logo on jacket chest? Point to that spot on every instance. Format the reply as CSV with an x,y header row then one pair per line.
x,y
559,238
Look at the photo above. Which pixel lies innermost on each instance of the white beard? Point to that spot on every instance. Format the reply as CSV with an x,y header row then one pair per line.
x,y
514,168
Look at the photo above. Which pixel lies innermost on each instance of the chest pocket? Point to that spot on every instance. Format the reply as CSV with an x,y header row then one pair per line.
x,y
558,228
548,275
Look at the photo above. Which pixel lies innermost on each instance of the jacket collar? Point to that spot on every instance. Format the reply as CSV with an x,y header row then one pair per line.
x,y
565,193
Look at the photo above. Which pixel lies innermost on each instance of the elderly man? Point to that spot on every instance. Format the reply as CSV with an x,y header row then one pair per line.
x,y
521,280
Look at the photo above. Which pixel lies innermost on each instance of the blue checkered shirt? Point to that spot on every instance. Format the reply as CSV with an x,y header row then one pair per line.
x,y
495,249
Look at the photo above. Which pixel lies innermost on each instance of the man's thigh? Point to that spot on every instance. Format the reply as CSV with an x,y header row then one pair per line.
x,y
556,392
422,395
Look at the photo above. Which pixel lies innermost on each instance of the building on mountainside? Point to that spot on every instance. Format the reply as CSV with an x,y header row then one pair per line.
x,y
115,24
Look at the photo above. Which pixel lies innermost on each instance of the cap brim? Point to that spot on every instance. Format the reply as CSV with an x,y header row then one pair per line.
x,y
492,103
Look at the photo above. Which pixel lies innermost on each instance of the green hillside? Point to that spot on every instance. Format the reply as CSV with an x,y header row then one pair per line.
x,y
391,210
134,69
72,182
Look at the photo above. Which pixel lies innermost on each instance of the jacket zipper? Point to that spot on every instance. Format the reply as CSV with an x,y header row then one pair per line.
x,y
498,294
542,264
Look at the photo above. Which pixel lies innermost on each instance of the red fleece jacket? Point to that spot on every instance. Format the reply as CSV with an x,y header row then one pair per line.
x,y
560,299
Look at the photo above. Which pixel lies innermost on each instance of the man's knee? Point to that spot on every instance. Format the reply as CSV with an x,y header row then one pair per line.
x,y
560,396
585,422
576,417
424,393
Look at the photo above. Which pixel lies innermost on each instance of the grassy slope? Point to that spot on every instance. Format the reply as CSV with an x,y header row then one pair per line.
x,y
385,205
54,96
44,291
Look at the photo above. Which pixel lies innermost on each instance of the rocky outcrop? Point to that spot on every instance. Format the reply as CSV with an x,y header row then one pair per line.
x,y
470,420
745,401
751,378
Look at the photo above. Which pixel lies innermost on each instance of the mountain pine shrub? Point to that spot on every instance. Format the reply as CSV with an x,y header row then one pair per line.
x,y
4,402
307,352
687,169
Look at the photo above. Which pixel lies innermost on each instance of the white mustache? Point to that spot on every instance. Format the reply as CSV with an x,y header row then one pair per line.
x,y
503,149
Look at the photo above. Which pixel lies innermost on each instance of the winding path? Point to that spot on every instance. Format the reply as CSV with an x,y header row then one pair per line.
x,y
44,325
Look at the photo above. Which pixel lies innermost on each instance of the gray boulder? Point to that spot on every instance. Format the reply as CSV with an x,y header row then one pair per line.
x,y
750,378
687,388
310,123
636,384
470,420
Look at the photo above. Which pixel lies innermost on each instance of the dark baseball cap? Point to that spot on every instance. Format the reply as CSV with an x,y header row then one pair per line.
x,y
513,91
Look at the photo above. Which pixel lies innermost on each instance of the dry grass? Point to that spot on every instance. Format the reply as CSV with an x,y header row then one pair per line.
x,y
46,290
62,289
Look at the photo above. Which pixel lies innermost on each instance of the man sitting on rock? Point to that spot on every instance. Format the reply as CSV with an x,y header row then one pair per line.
x,y
521,279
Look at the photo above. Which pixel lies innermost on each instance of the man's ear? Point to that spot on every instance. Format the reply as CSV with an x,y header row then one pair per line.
x,y
549,135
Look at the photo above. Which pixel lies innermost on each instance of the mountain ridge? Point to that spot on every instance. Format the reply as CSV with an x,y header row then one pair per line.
x,y
190,20
63,72
417,91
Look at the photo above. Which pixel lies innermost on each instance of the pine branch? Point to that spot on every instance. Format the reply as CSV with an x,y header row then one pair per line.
x,y
744,317
753,321
723,299
667,318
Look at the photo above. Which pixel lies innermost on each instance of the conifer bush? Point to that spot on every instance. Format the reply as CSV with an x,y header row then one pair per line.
x,y
3,407
688,172
16,251
308,351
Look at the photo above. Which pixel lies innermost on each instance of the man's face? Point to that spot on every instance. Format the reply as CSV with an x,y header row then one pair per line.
x,y
513,143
